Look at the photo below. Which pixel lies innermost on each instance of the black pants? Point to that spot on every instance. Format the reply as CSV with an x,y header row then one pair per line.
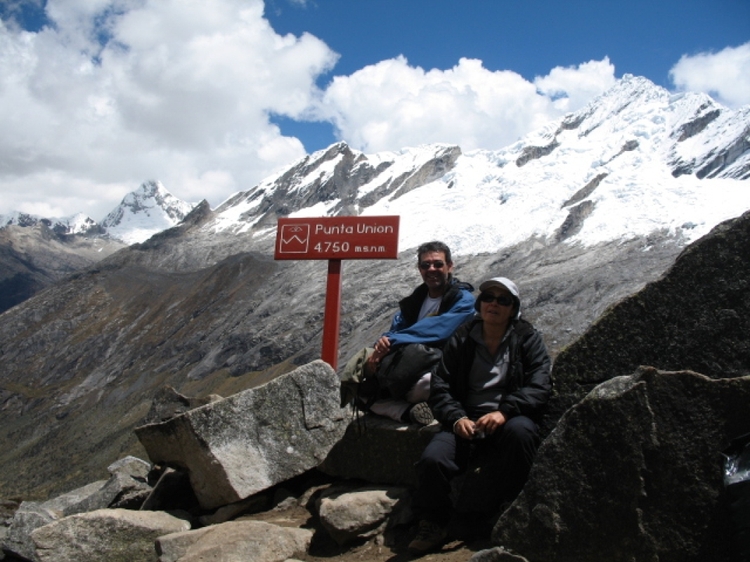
x,y
500,464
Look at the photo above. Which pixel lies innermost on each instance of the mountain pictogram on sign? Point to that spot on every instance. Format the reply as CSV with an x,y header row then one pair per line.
x,y
295,239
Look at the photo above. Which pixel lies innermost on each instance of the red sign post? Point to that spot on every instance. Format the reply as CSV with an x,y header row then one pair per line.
x,y
336,239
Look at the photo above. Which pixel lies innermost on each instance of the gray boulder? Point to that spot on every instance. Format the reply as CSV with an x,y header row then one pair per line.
x,y
127,486
246,443
31,515
134,467
235,541
28,516
696,317
379,450
633,472
349,515
106,535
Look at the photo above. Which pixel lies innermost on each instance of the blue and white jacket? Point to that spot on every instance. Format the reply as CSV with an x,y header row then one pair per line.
x,y
456,307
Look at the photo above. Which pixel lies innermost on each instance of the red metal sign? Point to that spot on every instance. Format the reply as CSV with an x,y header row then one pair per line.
x,y
335,239
339,238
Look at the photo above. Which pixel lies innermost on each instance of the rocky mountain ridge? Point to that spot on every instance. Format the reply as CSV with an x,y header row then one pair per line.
x,y
635,142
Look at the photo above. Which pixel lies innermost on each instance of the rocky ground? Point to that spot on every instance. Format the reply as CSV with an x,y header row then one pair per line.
x,y
324,549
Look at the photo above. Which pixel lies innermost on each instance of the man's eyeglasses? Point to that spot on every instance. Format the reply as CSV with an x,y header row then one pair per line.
x,y
502,300
437,264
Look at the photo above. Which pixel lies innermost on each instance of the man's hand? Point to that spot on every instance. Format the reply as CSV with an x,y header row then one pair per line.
x,y
489,423
382,347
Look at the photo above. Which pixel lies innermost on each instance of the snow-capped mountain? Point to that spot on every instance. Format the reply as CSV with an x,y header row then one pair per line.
x,y
636,160
144,212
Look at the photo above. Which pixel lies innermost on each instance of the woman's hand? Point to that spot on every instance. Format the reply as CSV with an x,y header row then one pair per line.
x,y
489,423
464,428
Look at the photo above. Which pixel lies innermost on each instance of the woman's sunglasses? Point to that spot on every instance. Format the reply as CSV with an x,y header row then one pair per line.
x,y
502,300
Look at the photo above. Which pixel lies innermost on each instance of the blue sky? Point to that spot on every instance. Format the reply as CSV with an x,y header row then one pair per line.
x,y
98,96
530,37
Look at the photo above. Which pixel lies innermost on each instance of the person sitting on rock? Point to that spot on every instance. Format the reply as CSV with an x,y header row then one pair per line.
x,y
427,317
487,392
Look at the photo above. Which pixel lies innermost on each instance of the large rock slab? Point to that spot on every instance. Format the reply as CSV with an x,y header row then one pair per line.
x,y
105,535
379,450
234,541
696,317
633,472
246,443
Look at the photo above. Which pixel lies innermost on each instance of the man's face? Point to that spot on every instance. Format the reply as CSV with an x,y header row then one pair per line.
x,y
435,270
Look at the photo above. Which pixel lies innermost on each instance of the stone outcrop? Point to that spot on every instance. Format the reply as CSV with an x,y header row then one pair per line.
x,y
106,535
246,443
633,472
31,515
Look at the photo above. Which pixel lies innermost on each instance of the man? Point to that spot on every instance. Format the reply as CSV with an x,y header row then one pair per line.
x,y
488,392
428,316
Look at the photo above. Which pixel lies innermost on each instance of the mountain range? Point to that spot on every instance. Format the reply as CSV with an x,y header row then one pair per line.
x,y
581,213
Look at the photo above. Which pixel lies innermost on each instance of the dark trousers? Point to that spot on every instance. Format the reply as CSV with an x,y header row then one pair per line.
x,y
498,467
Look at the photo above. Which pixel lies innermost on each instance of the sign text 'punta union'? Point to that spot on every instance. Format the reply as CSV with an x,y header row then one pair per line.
x,y
359,228
357,237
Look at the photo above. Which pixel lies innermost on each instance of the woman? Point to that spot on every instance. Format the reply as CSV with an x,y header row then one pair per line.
x,y
490,387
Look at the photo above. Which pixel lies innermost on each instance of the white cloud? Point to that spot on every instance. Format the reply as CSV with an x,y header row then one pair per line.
x,y
180,91
390,104
724,75
117,92
573,87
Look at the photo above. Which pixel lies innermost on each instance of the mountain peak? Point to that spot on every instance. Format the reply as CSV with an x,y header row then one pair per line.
x,y
144,212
